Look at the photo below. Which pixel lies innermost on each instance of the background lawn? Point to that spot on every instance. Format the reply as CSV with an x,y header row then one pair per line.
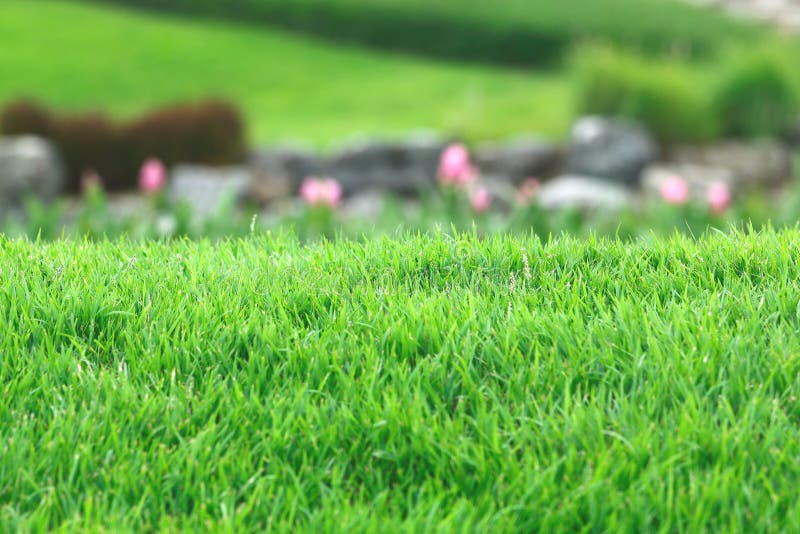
x,y
93,55
423,383
530,33
75,56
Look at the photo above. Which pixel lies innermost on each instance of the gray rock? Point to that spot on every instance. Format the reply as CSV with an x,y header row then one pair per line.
x,y
205,188
584,192
125,205
28,166
269,183
364,205
792,134
615,149
278,171
751,165
784,14
404,168
502,191
697,177
519,158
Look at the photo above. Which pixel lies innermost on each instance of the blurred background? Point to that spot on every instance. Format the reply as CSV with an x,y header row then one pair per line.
x,y
212,118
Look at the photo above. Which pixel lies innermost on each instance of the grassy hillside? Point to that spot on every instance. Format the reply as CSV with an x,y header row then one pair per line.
x,y
421,384
518,32
77,56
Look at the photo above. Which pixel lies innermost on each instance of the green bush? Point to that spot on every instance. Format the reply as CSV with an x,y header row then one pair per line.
x,y
664,96
515,32
756,97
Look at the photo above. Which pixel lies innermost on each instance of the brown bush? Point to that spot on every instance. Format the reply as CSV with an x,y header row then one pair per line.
x,y
92,141
210,133
26,117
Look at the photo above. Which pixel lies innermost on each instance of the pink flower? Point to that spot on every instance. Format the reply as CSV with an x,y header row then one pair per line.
x,y
527,191
718,197
152,176
321,192
481,200
455,167
675,191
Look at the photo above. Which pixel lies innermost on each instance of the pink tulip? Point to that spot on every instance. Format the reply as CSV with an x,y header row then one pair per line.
x,y
455,167
675,190
152,176
321,192
527,191
481,200
718,197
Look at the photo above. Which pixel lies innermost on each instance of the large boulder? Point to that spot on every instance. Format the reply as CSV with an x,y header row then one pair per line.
x,y
404,168
205,188
28,166
519,158
762,164
615,149
584,192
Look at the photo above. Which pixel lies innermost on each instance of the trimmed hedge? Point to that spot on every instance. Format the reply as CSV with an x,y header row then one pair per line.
x,y
529,33
211,133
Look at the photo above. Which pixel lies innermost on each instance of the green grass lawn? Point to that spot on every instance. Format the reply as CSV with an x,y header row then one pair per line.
x,y
519,32
428,383
77,57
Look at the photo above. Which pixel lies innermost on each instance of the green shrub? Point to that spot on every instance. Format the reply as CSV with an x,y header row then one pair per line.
x,y
664,96
756,97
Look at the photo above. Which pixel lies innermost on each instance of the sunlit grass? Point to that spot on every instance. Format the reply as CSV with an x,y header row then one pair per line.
x,y
422,383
